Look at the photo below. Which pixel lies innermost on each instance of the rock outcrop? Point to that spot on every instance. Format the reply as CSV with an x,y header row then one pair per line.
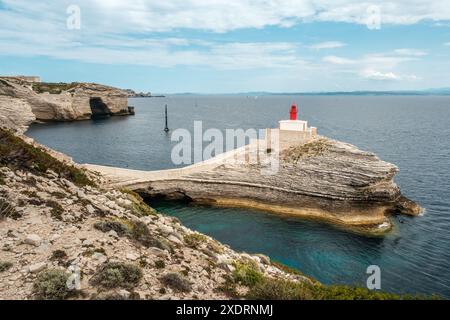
x,y
323,179
64,102
15,114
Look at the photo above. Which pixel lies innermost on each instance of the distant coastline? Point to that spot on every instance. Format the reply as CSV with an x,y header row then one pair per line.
x,y
425,92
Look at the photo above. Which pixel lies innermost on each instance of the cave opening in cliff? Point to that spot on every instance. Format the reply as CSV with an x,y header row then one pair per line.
x,y
98,108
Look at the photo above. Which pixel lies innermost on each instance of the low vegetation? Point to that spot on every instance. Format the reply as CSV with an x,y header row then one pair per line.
x,y
57,210
275,289
5,266
117,275
246,273
176,282
53,88
7,210
139,207
16,154
194,240
119,227
135,230
59,255
261,287
310,149
160,264
52,285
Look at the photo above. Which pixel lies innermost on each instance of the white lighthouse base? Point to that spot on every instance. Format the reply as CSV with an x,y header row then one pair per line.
x,y
294,125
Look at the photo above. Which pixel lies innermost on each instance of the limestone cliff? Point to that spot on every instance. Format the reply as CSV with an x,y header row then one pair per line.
x,y
323,179
64,102
15,114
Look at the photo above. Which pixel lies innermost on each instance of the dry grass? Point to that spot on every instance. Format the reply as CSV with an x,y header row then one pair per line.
x,y
307,150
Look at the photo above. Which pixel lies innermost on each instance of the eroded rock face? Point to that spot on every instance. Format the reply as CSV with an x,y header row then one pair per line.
x,y
65,102
15,114
325,179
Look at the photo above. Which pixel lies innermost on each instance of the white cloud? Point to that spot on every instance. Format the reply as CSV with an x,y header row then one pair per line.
x,y
150,33
372,74
377,75
327,45
447,44
410,52
338,60
225,15
376,66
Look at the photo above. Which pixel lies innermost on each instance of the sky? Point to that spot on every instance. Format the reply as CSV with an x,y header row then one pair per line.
x,y
228,46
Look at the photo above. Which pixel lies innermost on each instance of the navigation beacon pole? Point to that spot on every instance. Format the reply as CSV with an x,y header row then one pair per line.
x,y
166,129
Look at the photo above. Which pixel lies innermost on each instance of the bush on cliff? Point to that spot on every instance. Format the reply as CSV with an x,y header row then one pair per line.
x,y
139,207
117,275
246,273
275,289
16,154
52,285
5,266
105,226
53,88
7,210
176,282
194,240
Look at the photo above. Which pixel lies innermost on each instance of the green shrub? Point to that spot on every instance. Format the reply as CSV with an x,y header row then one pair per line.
x,y
275,289
5,266
53,88
57,210
117,275
135,230
105,226
52,285
141,234
59,194
15,153
176,282
339,292
2,179
247,274
160,264
58,255
7,210
139,207
194,240
115,296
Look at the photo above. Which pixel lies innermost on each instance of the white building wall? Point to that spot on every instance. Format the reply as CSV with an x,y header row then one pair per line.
x,y
293,125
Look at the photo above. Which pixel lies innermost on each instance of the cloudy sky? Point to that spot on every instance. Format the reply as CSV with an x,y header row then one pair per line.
x,y
219,46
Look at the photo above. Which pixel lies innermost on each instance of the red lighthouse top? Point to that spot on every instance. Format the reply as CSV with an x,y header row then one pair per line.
x,y
293,111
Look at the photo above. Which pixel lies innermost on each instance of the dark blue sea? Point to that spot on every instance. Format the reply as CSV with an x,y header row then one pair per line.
x,y
412,132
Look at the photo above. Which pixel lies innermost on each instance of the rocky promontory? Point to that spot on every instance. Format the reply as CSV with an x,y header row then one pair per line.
x,y
58,101
321,178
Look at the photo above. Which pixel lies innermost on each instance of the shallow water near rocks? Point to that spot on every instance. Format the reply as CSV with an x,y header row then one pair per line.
x,y
409,131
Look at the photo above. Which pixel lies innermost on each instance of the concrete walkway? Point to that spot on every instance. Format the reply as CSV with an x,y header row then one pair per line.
x,y
121,177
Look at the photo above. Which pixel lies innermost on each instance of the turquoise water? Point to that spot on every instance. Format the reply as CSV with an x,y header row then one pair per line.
x,y
412,132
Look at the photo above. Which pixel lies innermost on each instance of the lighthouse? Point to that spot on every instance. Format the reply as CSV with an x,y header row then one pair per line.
x,y
294,112
293,131
294,124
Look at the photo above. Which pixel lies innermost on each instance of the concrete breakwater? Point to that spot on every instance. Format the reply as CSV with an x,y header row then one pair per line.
x,y
318,178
